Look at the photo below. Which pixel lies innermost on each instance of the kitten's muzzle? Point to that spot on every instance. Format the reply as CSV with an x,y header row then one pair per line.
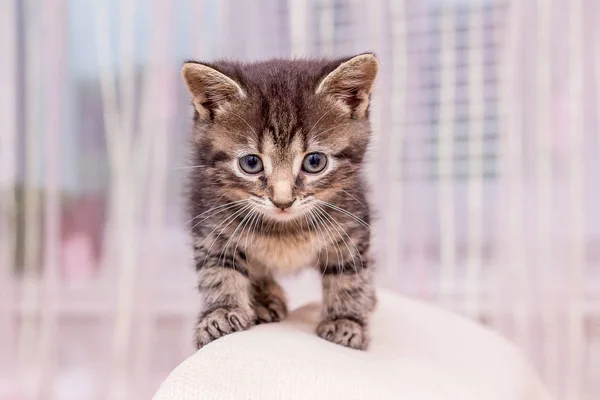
x,y
282,206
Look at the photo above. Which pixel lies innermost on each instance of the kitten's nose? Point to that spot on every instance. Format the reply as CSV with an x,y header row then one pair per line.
x,y
282,206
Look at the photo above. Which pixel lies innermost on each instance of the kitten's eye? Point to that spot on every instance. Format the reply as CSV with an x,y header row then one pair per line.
x,y
314,163
251,164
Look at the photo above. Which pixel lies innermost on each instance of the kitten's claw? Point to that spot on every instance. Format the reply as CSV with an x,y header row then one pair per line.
x,y
221,322
344,332
273,310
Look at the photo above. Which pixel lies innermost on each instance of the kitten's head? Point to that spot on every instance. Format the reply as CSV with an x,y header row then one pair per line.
x,y
281,134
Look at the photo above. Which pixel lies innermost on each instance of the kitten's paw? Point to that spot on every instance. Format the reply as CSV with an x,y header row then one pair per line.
x,y
271,310
345,332
220,322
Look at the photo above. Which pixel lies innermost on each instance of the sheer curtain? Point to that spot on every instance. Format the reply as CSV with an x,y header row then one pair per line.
x,y
484,164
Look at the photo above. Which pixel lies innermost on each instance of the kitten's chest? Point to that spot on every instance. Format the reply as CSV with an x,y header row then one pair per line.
x,y
283,254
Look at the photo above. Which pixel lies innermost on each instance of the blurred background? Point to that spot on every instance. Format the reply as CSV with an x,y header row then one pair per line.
x,y
485,165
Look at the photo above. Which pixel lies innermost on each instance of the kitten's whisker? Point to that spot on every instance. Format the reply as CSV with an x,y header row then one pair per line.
x,y
189,167
250,225
318,231
313,217
246,122
216,208
295,221
252,214
246,224
234,232
353,244
231,218
254,225
338,251
336,244
213,204
221,232
330,218
220,209
340,262
236,133
346,212
262,224
204,219
312,240
319,120
318,135
354,198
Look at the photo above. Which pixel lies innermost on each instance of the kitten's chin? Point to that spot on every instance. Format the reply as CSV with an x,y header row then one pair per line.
x,y
284,215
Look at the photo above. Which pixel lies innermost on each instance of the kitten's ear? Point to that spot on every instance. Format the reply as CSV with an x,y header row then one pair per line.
x,y
211,90
350,84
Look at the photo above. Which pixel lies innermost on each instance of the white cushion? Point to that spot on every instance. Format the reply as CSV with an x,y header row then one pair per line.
x,y
417,352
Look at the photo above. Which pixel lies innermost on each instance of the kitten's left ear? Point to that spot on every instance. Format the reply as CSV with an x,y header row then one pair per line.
x,y
211,90
351,83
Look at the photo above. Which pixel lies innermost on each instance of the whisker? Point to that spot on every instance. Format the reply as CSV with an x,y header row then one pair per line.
x,y
320,232
231,132
262,224
189,167
254,225
339,252
353,244
319,134
354,198
244,224
246,122
213,208
330,218
250,225
346,212
313,211
312,240
231,218
234,232
333,241
319,120
220,210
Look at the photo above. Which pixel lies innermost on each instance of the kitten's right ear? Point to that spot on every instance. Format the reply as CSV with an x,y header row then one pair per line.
x,y
351,83
211,90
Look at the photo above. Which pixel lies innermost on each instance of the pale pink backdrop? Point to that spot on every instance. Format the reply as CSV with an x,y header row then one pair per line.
x,y
485,168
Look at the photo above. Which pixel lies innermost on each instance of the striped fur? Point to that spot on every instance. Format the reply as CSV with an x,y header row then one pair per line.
x,y
281,110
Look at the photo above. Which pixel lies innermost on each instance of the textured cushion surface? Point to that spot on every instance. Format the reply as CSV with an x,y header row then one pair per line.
x,y
417,352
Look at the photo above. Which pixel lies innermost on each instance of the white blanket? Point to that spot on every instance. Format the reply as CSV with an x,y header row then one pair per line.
x,y
418,352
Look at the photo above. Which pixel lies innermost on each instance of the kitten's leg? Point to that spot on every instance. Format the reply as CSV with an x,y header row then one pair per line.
x,y
269,300
225,286
348,299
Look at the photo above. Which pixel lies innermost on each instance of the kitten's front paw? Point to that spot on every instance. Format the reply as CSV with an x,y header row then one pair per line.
x,y
271,310
220,322
344,332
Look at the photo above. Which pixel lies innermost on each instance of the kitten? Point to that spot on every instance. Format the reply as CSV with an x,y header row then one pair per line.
x,y
277,186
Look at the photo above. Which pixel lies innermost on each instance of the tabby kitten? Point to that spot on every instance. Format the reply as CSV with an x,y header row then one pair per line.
x,y
277,186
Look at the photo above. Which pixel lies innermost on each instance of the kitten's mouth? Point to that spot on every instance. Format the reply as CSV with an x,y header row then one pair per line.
x,y
297,210
284,215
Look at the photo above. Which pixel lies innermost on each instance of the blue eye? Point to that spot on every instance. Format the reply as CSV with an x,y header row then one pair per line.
x,y
314,163
251,164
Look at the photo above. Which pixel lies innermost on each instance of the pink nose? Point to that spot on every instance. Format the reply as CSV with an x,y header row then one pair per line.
x,y
282,206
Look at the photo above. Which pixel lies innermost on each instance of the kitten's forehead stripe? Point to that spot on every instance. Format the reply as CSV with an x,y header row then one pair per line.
x,y
296,147
302,134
